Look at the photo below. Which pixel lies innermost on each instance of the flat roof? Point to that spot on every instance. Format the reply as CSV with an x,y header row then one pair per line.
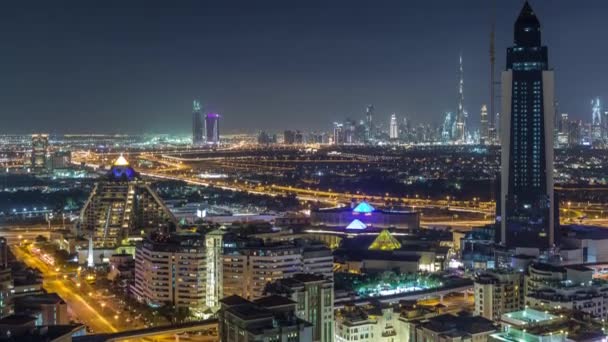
x,y
273,301
586,232
528,316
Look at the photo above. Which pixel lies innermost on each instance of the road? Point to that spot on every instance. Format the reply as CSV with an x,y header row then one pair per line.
x,y
90,314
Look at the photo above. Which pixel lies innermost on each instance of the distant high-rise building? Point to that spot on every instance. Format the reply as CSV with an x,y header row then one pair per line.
x,y
369,122
394,128
197,124
265,139
563,125
40,150
527,205
484,133
339,135
447,131
596,120
563,131
460,130
60,160
605,125
497,127
123,204
289,137
212,128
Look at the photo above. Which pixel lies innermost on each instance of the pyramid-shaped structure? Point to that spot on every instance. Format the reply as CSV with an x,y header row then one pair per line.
x,y
385,242
356,224
364,208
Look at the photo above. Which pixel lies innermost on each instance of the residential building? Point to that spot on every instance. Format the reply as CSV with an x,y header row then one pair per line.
x,y
366,324
248,268
314,297
498,292
170,269
567,288
318,259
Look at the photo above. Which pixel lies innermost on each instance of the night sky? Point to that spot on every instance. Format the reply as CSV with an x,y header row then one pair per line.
x,y
135,66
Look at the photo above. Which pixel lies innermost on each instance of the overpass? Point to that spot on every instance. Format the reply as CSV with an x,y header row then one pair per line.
x,y
209,327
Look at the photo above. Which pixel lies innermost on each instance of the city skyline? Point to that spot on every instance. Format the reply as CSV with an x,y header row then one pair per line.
x,y
150,63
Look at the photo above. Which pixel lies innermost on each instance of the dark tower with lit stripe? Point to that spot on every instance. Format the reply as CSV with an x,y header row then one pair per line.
x,y
527,202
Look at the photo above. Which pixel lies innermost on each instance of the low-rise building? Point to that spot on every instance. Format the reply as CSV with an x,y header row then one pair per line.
x,y
270,318
366,324
498,292
366,217
48,308
313,294
569,288
534,325
455,328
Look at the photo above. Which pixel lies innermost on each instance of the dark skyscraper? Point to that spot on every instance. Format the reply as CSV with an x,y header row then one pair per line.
x,y
212,128
197,123
527,200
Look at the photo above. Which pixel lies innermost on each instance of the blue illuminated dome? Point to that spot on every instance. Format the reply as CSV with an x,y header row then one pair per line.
x,y
122,171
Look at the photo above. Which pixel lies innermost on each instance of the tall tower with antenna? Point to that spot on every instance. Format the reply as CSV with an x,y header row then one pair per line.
x,y
461,115
492,128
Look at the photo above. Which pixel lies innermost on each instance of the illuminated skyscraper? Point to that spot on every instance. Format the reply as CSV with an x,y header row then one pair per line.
x,y
338,134
596,120
369,122
212,128
484,133
526,212
40,149
197,124
461,116
394,128
447,131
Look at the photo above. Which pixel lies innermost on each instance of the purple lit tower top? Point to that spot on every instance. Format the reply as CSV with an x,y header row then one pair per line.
x,y
212,128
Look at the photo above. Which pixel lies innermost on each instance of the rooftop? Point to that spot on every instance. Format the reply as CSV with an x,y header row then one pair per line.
x,y
585,232
449,323
234,300
17,320
273,301
528,316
